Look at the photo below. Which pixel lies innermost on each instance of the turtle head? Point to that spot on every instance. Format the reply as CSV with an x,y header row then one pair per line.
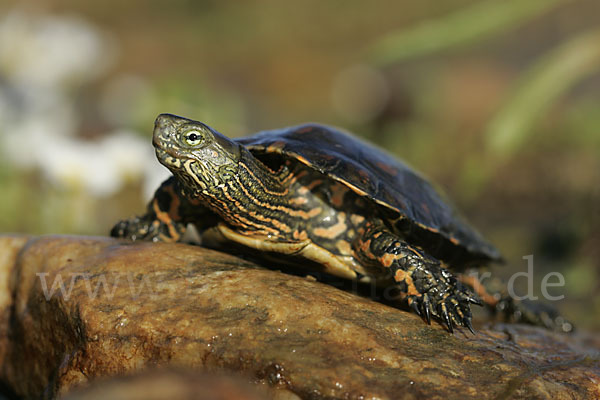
x,y
199,156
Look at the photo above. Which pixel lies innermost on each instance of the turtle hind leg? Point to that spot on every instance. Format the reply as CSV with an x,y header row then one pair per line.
x,y
428,288
497,300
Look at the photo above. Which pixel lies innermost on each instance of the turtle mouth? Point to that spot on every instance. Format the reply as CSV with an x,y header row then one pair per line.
x,y
167,159
184,168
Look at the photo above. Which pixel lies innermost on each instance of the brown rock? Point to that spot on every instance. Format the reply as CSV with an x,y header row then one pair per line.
x,y
9,250
184,306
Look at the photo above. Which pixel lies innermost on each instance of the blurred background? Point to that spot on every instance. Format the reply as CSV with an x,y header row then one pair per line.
x,y
497,102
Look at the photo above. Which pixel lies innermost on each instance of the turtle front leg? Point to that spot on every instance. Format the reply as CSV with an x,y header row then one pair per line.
x,y
166,218
427,287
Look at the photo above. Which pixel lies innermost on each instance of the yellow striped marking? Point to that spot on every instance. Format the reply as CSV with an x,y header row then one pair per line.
x,y
163,217
241,210
278,194
295,213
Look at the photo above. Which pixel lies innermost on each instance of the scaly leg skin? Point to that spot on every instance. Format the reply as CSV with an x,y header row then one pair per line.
x,y
494,295
427,287
166,217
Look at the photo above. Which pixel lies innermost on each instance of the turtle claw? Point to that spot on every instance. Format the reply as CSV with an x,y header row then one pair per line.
x,y
442,297
426,304
451,312
474,300
469,326
446,317
428,317
415,307
421,306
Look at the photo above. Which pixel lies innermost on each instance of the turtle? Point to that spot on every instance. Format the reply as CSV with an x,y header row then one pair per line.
x,y
317,196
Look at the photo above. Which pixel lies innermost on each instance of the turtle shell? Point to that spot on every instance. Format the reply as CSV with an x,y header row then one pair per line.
x,y
410,201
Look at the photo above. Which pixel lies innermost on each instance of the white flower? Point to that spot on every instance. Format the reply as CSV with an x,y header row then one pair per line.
x,y
51,51
41,59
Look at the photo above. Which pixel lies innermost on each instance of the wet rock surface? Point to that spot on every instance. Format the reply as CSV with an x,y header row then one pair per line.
x,y
78,309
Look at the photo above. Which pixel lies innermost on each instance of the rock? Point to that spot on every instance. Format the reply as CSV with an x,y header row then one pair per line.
x,y
125,307
9,249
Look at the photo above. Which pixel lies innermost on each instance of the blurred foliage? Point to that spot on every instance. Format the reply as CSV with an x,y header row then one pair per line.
x,y
463,27
495,101
548,79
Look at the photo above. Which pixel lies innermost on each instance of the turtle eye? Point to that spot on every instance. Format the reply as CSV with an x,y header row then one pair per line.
x,y
192,138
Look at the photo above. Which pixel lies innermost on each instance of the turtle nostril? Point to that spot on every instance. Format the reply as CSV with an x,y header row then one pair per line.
x,y
159,137
162,127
